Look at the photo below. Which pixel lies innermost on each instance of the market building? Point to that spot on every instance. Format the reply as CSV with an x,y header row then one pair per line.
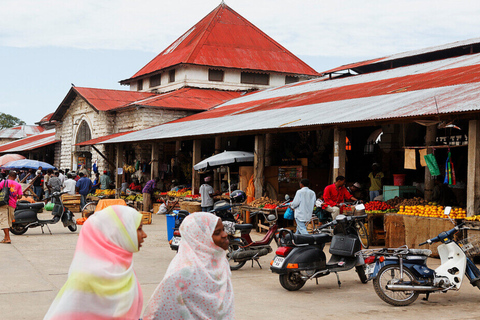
x,y
426,99
220,58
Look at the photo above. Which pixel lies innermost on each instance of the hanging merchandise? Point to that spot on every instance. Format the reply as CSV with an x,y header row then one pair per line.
x,y
137,165
423,153
410,159
432,165
449,171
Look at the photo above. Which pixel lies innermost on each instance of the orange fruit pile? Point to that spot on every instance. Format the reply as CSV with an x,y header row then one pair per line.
x,y
432,211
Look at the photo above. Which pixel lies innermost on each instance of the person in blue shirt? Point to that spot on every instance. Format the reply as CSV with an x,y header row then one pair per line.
x,y
83,187
303,204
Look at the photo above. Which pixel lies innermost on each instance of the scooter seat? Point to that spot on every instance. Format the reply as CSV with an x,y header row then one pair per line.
x,y
243,226
320,238
28,205
420,252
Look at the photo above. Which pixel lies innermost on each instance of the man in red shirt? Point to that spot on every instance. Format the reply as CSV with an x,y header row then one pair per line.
x,y
335,194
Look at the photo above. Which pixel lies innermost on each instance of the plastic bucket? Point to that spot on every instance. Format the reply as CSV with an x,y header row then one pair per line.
x,y
170,225
399,179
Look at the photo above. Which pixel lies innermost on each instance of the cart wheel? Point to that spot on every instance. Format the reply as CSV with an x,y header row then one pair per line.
x,y
89,209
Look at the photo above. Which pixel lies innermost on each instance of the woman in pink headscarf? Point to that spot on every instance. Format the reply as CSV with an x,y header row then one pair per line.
x,y
197,283
101,281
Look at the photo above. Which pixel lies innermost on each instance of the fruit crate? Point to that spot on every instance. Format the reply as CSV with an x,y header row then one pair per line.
x,y
147,217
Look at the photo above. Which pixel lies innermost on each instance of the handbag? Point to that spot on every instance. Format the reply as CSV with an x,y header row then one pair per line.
x,y
288,214
4,193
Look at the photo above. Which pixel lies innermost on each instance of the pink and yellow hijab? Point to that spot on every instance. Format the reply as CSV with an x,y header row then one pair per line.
x,y
101,281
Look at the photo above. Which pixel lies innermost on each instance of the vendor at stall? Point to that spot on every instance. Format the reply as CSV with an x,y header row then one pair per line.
x,y
148,192
334,195
206,193
135,186
376,181
443,195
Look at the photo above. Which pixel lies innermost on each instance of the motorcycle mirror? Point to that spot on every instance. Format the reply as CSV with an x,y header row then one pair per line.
x,y
447,211
287,197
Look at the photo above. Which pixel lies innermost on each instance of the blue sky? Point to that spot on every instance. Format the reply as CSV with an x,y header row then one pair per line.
x,y
45,45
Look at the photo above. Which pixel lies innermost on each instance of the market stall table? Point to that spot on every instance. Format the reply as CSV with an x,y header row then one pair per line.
x,y
258,224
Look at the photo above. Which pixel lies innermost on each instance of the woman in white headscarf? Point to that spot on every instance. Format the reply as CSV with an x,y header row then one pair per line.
x,y
101,281
197,283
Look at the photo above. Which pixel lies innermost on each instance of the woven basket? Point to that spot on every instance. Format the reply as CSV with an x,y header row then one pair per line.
x,y
190,206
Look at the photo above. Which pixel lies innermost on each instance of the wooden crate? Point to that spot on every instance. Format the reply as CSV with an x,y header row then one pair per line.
x,y
73,207
71,197
147,217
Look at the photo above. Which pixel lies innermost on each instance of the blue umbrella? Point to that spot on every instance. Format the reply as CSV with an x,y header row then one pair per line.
x,y
27,164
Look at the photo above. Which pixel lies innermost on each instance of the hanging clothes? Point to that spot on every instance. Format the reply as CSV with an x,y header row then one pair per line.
x,y
449,171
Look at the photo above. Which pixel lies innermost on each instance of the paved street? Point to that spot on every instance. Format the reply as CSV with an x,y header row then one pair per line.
x,y
35,266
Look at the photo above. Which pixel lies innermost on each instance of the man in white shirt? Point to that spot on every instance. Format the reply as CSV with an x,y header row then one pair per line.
x,y
303,204
61,176
206,193
69,185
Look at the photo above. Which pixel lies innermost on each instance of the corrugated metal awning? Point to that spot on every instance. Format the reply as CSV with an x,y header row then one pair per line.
x,y
30,143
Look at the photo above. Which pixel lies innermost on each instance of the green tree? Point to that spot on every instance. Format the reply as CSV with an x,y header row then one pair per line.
x,y
8,121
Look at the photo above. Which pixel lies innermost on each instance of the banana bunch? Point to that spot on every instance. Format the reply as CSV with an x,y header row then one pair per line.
x,y
128,169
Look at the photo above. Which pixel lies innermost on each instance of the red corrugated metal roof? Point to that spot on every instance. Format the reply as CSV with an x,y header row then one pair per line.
x,y
47,117
435,79
30,143
354,65
101,139
225,39
106,99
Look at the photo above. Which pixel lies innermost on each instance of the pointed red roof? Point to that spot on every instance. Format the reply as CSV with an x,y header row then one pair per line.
x,y
226,39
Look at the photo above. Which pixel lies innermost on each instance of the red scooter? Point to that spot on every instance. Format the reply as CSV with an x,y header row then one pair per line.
x,y
242,248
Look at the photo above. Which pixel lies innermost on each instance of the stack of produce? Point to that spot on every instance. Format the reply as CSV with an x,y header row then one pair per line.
x,y
395,201
417,201
105,192
133,197
195,196
432,211
180,193
473,218
263,201
378,207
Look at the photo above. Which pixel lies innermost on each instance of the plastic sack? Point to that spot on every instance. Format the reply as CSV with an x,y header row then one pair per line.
x,y
49,206
432,165
288,214
162,209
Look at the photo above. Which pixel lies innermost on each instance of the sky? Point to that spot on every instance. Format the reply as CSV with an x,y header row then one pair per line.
x,y
48,45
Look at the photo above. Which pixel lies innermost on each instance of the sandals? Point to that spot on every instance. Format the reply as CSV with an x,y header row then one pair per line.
x,y
5,241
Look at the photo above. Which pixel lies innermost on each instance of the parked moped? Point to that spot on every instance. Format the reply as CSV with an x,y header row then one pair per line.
x,y
401,274
300,257
26,215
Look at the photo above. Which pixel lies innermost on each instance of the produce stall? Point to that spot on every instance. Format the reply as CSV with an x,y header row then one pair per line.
x,y
266,205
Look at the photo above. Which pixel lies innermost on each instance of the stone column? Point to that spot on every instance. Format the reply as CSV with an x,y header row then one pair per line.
x,y
339,154
197,157
473,176
259,165
430,138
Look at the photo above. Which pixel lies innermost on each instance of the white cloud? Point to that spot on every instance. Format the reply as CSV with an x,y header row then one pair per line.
x,y
310,27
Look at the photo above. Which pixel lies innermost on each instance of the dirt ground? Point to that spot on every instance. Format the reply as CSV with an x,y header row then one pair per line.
x,y
35,266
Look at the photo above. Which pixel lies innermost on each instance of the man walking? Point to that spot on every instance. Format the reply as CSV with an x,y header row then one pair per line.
x,y
6,211
54,183
69,185
83,187
303,204
206,193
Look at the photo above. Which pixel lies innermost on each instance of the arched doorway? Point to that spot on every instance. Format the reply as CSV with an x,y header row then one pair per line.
x,y
83,155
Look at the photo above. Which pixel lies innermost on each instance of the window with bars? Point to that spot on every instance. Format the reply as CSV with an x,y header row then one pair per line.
x,y
255,78
215,75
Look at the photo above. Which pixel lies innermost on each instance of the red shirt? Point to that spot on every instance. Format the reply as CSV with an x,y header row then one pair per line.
x,y
333,196
134,187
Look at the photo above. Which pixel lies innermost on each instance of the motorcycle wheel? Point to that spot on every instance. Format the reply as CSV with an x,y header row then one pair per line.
x,y
291,281
395,298
18,230
361,273
235,244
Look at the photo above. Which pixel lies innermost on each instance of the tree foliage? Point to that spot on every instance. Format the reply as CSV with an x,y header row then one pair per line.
x,y
8,121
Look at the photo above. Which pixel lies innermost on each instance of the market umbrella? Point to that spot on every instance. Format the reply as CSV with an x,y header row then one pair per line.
x,y
10,157
225,158
27,164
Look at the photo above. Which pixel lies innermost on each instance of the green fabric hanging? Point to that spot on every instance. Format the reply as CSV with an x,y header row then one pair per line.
x,y
432,164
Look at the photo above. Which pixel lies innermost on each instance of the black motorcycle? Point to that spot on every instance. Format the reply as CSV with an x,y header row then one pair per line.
x,y
300,257
26,215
